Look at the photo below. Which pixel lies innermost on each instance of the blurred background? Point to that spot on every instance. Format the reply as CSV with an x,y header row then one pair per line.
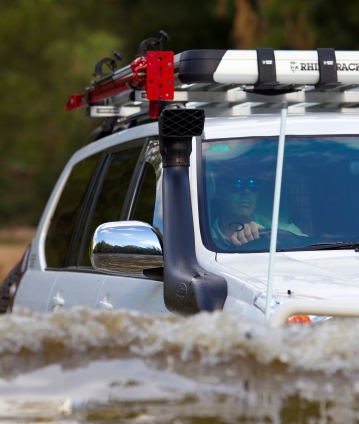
x,y
48,51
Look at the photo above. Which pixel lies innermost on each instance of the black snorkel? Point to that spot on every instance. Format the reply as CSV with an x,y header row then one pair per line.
x,y
188,288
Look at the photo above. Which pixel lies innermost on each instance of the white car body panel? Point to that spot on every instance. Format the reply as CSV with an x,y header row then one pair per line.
x,y
141,294
74,286
35,289
322,277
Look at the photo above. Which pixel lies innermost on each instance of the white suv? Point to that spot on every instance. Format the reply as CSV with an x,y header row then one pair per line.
x,y
177,217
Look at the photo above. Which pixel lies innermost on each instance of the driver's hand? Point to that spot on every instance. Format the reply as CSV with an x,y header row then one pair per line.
x,y
249,233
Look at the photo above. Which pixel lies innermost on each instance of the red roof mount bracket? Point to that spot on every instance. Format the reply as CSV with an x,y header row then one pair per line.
x,y
154,73
160,75
160,80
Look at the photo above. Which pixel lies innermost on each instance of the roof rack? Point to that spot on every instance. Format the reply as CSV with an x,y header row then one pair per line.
x,y
226,83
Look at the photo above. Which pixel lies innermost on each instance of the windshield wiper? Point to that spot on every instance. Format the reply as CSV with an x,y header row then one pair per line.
x,y
339,245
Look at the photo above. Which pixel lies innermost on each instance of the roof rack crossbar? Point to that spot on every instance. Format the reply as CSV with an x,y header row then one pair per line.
x,y
228,83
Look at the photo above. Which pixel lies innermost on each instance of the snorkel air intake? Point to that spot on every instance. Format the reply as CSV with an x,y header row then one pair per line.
x,y
188,288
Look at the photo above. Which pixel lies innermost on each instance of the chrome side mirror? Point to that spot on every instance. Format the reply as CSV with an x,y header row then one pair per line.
x,y
126,248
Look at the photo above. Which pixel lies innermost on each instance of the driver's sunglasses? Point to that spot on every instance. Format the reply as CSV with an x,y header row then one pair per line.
x,y
251,184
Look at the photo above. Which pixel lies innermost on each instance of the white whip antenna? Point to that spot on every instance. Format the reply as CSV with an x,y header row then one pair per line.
x,y
275,216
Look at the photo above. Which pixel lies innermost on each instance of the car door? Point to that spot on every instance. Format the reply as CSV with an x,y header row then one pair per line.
x,y
105,200
144,203
36,286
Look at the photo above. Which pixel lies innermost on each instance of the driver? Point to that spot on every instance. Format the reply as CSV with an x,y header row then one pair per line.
x,y
238,223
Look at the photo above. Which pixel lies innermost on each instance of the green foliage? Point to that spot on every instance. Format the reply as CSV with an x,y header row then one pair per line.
x,y
309,24
48,50
190,24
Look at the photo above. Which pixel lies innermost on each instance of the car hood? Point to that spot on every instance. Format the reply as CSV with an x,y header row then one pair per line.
x,y
328,275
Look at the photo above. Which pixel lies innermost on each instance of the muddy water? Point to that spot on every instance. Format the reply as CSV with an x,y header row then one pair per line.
x,y
89,366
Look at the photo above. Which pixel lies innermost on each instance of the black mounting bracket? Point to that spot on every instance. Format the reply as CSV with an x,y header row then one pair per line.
x,y
267,75
155,43
328,76
107,61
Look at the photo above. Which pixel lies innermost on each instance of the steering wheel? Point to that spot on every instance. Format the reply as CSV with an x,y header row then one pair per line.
x,y
267,233
285,239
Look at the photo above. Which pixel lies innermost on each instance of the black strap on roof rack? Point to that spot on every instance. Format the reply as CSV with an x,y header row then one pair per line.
x,y
267,75
328,77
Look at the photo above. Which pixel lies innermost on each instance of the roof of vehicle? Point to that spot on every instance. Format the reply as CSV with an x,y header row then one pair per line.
x,y
244,126
268,125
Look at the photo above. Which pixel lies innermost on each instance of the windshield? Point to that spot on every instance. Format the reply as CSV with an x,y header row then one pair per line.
x,y
319,197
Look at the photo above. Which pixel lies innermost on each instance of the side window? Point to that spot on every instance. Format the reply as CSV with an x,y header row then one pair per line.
x,y
110,198
68,210
146,199
148,203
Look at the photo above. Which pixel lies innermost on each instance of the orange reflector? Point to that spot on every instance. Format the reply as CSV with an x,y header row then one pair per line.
x,y
302,319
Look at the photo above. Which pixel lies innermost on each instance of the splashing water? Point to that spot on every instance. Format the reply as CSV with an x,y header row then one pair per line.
x,y
90,366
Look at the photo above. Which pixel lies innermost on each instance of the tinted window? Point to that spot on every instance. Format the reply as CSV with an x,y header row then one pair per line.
x,y
68,210
110,200
145,204
319,198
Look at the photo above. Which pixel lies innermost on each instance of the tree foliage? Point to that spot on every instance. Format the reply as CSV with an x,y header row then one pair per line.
x,y
48,50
